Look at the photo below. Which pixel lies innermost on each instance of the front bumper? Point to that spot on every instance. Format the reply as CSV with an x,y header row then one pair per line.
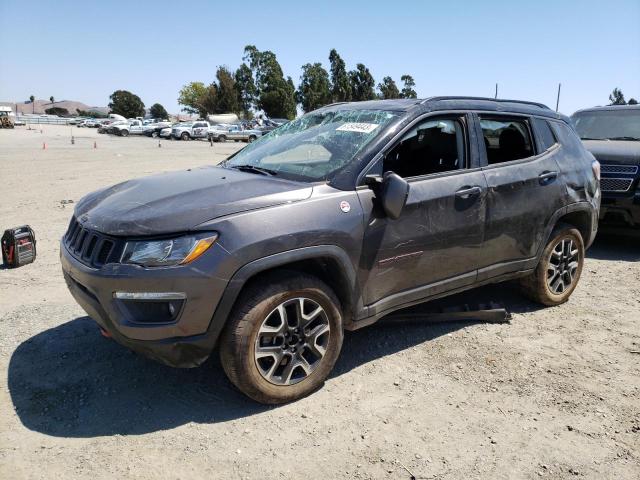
x,y
186,341
620,209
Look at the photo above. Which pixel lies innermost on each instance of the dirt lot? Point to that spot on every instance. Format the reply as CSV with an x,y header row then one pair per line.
x,y
555,394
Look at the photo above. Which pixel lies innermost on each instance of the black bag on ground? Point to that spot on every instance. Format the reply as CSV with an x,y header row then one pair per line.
x,y
18,246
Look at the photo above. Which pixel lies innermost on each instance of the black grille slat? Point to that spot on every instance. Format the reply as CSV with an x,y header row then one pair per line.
x,y
104,252
615,184
77,246
90,247
74,233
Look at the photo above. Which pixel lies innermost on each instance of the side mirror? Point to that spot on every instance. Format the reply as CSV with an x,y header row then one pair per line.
x,y
392,191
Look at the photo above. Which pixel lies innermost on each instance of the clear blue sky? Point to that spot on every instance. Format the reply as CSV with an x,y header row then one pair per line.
x,y
84,50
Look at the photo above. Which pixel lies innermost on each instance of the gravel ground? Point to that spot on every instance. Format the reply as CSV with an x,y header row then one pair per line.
x,y
555,394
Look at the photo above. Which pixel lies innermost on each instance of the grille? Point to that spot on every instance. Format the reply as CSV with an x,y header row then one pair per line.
x,y
626,169
91,248
615,184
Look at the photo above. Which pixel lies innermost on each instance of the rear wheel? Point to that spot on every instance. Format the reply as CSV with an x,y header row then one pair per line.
x,y
283,338
558,272
155,134
222,138
251,138
124,133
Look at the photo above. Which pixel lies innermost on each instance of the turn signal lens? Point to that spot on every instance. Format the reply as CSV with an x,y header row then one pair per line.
x,y
201,246
595,166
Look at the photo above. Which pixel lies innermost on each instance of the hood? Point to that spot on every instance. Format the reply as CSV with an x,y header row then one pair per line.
x,y
610,151
179,201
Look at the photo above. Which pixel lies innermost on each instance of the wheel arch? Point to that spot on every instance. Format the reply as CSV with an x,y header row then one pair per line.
x,y
329,263
580,215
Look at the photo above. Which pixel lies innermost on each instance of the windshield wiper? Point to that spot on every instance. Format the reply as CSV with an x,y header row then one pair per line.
x,y
590,138
253,169
625,138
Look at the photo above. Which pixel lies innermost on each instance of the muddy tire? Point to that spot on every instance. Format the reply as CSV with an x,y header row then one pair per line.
x,y
558,272
282,338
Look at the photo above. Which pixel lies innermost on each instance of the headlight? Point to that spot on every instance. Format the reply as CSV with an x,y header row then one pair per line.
x,y
163,253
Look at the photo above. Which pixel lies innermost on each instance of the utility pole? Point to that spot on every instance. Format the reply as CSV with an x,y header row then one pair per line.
x,y
558,99
496,96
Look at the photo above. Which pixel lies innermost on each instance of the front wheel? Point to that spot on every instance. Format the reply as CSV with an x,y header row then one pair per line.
x,y
155,134
184,136
283,338
251,139
558,272
222,138
124,133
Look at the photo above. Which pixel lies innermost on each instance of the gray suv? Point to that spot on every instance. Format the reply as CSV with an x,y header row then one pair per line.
x,y
329,223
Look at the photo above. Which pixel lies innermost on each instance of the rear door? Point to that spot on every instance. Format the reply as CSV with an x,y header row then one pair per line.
x,y
524,191
433,246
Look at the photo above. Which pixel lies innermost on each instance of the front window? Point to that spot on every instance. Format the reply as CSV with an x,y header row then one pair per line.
x,y
608,124
314,147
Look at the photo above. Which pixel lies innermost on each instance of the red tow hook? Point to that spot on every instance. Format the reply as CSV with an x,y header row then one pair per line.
x,y
104,333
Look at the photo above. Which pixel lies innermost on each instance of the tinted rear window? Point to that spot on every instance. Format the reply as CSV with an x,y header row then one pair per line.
x,y
544,133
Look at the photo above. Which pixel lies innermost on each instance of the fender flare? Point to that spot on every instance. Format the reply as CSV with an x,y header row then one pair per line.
x,y
571,208
246,272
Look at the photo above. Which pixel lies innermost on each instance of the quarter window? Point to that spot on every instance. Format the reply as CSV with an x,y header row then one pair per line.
x,y
431,146
506,139
544,133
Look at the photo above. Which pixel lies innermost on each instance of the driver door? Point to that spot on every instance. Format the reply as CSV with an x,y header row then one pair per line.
x,y
435,244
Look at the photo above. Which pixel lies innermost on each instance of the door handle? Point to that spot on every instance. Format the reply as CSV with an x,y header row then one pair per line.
x,y
547,177
468,192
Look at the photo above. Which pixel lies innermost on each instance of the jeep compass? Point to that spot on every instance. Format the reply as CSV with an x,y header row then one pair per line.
x,y
329,223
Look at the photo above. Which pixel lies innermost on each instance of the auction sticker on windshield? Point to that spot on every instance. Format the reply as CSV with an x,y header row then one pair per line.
x,y
357,127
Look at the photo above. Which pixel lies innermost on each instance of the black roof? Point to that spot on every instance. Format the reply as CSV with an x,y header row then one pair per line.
x,y
453,103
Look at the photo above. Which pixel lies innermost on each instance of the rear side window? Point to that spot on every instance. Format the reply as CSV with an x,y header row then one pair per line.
x,y
506,139
545,136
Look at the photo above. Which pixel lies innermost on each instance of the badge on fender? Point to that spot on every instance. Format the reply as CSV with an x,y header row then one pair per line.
x,y
344,206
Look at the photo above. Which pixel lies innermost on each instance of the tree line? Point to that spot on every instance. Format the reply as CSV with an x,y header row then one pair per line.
x,y
617,98
259,84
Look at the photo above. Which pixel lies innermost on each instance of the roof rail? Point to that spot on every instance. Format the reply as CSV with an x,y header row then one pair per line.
x,y
334,103
501,100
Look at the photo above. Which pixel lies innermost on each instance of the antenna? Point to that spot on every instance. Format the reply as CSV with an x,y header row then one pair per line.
x,y
558,99
496,96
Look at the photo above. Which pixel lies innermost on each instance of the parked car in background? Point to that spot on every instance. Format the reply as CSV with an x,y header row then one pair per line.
x,y
104,125
111,127
131,127
76,120
236,133
154,129
165,132
328,224
184,130
612,135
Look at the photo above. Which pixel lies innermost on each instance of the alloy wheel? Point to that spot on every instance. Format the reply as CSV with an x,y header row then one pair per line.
x,y
292,341
563,265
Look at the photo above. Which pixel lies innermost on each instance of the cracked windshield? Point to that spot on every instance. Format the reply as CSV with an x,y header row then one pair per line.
x,y
314,147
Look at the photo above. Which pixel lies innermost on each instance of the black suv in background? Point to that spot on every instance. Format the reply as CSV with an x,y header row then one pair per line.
x,y
329,223
612,135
